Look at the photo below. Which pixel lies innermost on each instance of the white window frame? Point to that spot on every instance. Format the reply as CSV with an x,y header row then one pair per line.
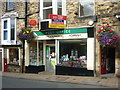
x,y
54,10
2,58
8,41
8,7
87,15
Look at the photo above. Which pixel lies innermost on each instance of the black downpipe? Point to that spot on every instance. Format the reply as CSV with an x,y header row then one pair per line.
x,y
23,62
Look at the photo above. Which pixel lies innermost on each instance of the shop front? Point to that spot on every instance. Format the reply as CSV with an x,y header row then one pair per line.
x,y
11,58
64,52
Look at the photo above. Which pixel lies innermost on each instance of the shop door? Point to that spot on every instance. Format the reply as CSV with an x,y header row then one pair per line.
x,y
110,61
50,58
107,60
103,59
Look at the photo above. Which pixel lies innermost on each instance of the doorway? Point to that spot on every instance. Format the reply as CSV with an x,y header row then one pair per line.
x,y
110,61
50,56
107,60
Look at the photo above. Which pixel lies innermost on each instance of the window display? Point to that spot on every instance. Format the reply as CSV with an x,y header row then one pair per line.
x,y
73,53
33,53
41,53
14,56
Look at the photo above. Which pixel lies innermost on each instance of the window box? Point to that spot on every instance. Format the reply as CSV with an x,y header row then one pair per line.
x,y
34,69
73,71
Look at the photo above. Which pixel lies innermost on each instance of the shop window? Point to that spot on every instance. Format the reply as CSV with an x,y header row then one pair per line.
x,y
36,53
9,5
86,8
40,53
14,56
73,53
33,53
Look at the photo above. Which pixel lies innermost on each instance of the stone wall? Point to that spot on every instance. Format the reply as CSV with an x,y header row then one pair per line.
x,y
12,68
33,8
105,12
73,20
19,7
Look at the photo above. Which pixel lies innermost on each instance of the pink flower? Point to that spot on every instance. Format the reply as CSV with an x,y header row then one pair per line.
x,y
107,25
99,31
103,26
111,30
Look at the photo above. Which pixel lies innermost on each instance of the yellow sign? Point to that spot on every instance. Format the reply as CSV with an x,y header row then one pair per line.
x,y
57,26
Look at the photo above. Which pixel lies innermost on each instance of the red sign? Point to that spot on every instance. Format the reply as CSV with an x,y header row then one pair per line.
x,y
33,22
58,17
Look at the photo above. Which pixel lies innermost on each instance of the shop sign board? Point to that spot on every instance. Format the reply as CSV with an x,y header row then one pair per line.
x,y
57,21
58,17
63,31
62,34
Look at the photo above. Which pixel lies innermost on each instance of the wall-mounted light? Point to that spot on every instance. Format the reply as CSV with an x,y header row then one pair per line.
x,y
117,15
91,23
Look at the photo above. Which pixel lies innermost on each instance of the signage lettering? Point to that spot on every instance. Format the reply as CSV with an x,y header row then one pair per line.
x,y
57,21
63,36
59,17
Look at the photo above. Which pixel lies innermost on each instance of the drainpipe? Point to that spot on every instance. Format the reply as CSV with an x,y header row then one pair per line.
x,y
23,62
94,52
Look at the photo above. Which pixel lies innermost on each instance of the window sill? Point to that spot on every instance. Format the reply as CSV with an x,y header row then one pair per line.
x,y
9,10
80,17
13,64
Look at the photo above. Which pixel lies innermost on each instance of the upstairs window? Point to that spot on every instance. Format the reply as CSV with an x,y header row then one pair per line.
x,y
9,5
59,6
86,8
47,7
5,30
9,30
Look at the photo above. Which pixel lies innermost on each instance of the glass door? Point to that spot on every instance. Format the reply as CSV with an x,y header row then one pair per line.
x,y
50,57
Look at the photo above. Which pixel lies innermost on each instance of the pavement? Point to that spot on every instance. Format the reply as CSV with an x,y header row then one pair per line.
x,y
110,82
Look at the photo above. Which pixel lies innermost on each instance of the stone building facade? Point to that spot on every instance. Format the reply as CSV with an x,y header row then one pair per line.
x,y
104,13
19,9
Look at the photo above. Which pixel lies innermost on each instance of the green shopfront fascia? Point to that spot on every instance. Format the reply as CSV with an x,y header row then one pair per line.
x,y
72,48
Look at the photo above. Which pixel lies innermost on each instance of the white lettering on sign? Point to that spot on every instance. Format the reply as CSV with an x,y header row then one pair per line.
x,y
75,35
63,36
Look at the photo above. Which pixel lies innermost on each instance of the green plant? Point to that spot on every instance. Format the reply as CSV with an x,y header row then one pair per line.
x,y
25,34
106,36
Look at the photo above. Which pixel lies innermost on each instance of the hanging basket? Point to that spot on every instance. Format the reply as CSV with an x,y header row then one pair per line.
x,y
107,37
25,34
